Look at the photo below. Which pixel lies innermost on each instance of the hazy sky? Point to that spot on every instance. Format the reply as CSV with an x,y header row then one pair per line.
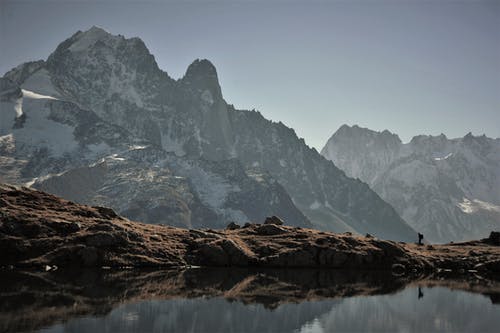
x,y
413,67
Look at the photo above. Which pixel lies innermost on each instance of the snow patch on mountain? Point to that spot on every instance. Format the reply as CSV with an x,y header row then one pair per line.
x,y
443,158
39,131
314,205
33,95
474,205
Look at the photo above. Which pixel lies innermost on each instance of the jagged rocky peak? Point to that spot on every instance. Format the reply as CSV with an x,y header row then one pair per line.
x,y
481,144
201,69
357,132
100,45
428,139
202,75
430,145
107,73
362,140
469,138
359,151
84,41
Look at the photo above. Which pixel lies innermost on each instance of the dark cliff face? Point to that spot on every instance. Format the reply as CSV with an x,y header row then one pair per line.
x,y
118,80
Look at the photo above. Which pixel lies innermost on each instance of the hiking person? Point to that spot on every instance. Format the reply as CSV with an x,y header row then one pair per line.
x,y
420,237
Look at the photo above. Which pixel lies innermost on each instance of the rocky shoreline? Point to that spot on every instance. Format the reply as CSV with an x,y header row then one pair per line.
x,y
39,230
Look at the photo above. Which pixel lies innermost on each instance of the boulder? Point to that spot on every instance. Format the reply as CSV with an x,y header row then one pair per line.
x,y
103,239
390,249
269,230
237,256
212,254
106,213
273,220
232,226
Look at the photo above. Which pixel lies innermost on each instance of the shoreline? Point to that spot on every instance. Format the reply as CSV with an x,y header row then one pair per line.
x,y
42,231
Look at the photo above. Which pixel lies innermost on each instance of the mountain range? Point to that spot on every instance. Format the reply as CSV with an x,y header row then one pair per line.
x,y
100,123
448,189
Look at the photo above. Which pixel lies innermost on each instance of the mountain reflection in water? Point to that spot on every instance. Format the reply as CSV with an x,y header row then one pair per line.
x,y
242,300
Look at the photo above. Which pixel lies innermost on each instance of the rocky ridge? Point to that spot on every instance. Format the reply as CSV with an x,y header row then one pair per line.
x,y
40,230
448,189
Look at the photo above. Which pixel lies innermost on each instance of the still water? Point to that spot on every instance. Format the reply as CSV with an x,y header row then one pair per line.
x,y
213,301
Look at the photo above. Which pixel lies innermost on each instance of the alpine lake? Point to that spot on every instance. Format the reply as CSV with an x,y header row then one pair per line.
x,y
245,300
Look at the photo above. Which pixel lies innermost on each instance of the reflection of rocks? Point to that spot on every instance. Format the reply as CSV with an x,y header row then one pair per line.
x,y
29,301
41,299
38,229
495,298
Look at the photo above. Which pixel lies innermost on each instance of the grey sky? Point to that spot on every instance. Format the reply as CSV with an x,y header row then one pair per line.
x,y
413,67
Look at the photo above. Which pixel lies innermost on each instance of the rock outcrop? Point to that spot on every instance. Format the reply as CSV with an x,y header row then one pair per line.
x,y
40,230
